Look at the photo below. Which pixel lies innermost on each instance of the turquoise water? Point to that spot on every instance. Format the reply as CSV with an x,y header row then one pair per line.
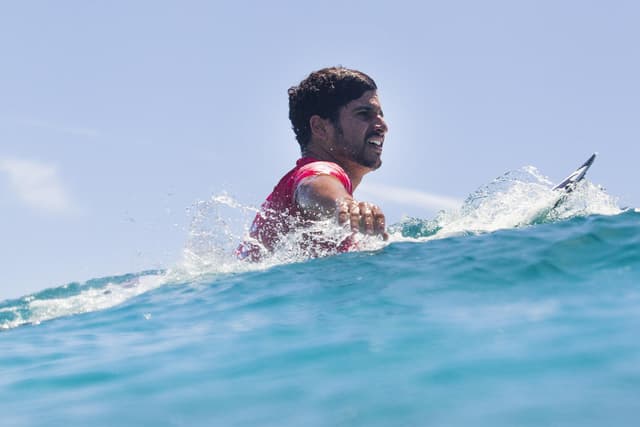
x,y
487,316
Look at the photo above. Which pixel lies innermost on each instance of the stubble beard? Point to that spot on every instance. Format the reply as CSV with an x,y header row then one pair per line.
x,y
358,157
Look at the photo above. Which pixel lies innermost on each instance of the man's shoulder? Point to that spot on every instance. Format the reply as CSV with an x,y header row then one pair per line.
x,y
321,167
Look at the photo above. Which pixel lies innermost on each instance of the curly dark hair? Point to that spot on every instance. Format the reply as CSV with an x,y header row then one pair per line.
x,y
322,93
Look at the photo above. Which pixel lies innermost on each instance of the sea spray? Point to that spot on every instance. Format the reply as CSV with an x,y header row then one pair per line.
x,y
217,226
515,199
221,223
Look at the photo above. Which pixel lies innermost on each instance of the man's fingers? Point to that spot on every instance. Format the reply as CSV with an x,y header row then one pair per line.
x,y
362,217
379,221
343,212
366,218
355,216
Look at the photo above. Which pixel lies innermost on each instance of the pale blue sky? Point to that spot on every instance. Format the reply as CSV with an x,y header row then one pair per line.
x,y
117,116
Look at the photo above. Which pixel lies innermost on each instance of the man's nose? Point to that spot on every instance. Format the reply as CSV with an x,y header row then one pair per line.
x,y
381,124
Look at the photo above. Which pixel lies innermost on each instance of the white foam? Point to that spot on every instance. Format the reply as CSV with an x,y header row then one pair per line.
x,y
516,199
88,300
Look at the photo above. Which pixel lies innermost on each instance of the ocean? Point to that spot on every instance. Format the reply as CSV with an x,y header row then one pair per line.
x,y
522,308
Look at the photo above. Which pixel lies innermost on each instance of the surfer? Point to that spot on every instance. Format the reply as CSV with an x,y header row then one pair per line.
x,y
338,122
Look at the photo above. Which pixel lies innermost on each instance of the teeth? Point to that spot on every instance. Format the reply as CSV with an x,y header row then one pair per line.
x,y
375,142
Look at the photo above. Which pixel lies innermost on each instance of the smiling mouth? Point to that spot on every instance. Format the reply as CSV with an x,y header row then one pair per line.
x,y
376,141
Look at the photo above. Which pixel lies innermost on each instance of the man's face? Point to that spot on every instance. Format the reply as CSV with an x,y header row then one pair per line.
x,y
360,130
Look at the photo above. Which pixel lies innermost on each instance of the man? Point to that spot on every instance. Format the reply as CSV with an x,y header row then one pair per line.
x,y
338,121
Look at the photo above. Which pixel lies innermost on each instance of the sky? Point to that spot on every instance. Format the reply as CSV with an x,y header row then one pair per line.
x,y
117,117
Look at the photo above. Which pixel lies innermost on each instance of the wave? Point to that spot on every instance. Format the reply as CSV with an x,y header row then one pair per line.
x,y
514,200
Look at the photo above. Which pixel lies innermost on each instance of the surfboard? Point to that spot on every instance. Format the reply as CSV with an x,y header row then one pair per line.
x,y
569,183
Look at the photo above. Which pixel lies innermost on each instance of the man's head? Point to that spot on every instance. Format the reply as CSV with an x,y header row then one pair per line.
x,y
323,93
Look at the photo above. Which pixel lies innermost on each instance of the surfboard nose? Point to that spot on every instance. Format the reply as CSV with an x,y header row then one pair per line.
x,y
576,176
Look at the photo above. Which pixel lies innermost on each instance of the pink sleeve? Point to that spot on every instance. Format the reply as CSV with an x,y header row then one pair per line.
x,y
322,168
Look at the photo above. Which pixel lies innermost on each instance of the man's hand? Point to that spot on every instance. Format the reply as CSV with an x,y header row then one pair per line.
x,y
323,196
362,217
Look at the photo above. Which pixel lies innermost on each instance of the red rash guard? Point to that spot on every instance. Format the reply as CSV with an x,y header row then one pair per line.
x,y
280,214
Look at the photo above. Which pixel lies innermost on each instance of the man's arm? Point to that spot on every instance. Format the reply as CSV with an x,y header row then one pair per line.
x,y
324,196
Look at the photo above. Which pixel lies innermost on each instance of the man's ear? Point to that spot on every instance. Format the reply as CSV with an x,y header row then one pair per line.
x,y
319,127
